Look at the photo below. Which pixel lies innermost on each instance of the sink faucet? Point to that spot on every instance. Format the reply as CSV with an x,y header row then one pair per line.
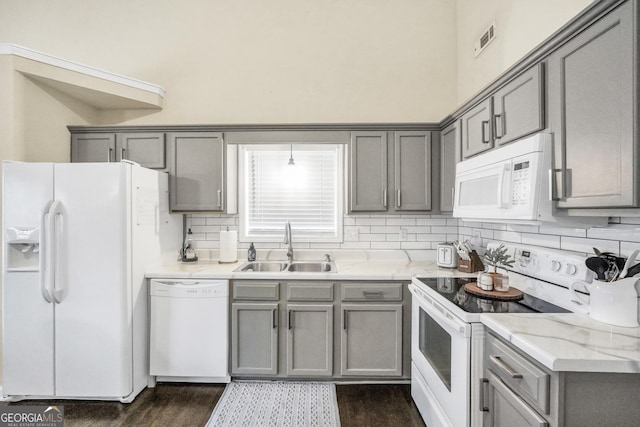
x,y
288,240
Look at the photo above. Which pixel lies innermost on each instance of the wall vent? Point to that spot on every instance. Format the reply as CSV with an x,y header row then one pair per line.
x,y
485,39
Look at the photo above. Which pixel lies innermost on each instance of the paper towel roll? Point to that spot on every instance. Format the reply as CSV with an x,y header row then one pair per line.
x,y
228,246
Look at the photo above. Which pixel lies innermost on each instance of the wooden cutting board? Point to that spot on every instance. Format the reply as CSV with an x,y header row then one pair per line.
x,y
512,294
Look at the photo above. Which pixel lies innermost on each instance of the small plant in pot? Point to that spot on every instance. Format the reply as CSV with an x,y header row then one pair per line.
x,y
495,258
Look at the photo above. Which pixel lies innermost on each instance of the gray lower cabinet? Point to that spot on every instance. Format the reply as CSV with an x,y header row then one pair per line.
x,y
592,99
390,171
371,340
254,338
517,391
197,168
144,148
449,156
310,339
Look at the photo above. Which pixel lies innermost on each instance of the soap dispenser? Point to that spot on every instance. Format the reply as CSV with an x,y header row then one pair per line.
x,y
188,251
251,254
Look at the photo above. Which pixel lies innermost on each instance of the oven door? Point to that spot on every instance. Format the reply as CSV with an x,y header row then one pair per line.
x,y
440,351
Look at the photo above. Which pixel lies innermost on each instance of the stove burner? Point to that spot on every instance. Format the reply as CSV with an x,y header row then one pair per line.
x,y
452,288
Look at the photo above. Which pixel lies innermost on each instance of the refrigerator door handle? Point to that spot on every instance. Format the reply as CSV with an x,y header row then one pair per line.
x,y
45,252
55,273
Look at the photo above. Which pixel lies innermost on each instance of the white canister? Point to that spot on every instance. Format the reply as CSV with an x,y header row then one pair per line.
x,y
615,303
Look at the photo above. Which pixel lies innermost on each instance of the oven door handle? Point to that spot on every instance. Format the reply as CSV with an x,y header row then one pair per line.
x,y
439,313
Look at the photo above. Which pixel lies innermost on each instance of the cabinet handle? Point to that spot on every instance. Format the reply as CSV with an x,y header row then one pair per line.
x,y
219,198
109,155
513,374
398,199
289,325
498,125
483,382
123,154
373,294
485,131
552,180
453,195
274,318
344,319
384,198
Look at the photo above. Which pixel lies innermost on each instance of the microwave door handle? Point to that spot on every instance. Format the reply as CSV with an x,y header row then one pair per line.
x,y
504,173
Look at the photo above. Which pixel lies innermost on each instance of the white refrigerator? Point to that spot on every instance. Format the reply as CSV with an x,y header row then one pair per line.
x,y
77,238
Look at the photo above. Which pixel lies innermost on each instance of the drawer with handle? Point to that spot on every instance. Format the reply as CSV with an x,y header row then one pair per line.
x,y
371,292
518,373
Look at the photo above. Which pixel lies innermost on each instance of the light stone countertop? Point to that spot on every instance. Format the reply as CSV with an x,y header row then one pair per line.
x,y
350,265
570,341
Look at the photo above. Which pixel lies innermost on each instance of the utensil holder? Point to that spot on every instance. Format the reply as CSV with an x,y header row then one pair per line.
x,y
472,265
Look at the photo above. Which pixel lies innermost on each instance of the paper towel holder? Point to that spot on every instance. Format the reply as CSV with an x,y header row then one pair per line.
x,y
233,249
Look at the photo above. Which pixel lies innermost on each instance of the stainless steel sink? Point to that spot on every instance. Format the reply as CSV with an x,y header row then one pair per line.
x,y
262,266
294,267
312,267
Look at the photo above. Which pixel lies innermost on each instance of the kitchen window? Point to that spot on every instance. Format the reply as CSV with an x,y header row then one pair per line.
x,y
300,183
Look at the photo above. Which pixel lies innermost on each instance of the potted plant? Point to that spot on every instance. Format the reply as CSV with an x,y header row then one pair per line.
x,y
498,257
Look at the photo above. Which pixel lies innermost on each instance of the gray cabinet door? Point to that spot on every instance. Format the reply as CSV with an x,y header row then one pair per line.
x,y
518,107
368,171
146,149
449,156
506,409
254,338
412,166
477,135
197,171
371,340
93,147
310,339
592,87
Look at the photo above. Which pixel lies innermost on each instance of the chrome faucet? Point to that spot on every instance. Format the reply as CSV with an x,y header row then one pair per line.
x,y
288,240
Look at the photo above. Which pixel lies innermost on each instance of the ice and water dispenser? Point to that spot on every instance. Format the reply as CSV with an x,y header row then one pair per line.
x,y
23,248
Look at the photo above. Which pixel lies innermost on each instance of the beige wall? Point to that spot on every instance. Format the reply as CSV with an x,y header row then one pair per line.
x,y
520,26
256,61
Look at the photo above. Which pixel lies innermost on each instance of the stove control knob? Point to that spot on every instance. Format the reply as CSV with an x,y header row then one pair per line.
x,y
555,265
571,269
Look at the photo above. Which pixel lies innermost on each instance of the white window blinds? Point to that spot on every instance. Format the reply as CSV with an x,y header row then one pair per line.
x,y
306,193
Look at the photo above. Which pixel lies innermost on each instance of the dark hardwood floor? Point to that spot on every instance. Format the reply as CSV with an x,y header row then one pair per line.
x,y
192,404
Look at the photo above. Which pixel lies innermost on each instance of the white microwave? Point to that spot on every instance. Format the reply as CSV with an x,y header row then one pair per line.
x,y
511,184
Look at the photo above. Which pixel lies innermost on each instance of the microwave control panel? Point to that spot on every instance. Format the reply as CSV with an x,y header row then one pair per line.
x,y
520,179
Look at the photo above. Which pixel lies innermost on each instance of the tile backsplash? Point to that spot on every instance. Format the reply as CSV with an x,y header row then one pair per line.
x,y
424,232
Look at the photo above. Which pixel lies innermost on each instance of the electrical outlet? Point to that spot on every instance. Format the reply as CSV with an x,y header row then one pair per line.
x,y
352,234
403,234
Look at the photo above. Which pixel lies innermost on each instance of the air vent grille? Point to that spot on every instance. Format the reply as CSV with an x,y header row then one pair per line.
x,y
485,39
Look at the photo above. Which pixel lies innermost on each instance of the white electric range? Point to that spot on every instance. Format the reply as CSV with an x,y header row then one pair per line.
x,y
447,336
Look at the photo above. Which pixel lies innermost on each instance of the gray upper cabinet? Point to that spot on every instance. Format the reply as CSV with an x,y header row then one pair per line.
x,y
449,156
477,135
404,158
412,165
371,340
146,149
592,102
310,339
197,171
518,107
368,172
93,147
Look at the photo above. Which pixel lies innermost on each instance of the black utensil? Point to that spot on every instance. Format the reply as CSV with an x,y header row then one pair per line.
x,y
632,271
598,265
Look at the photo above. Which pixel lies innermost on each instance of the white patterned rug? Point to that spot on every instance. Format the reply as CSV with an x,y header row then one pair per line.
x,y
277,404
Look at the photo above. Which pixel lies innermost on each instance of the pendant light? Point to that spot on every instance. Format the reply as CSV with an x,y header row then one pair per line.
x,y
291,162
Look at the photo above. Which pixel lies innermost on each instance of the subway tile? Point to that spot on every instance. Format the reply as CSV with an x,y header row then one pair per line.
x,y
355,245
418,229
372,237
545,240
493,226
586,245
523,228
627,247
627,232
465,230
507,236
415,245
370,221
432,238
205,229
444,230
432,221
196,221
453,222
385,245
381,229
401,221
348,221
563,231
473,224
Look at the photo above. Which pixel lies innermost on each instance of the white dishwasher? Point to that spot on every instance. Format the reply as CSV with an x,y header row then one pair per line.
x,y
188,330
